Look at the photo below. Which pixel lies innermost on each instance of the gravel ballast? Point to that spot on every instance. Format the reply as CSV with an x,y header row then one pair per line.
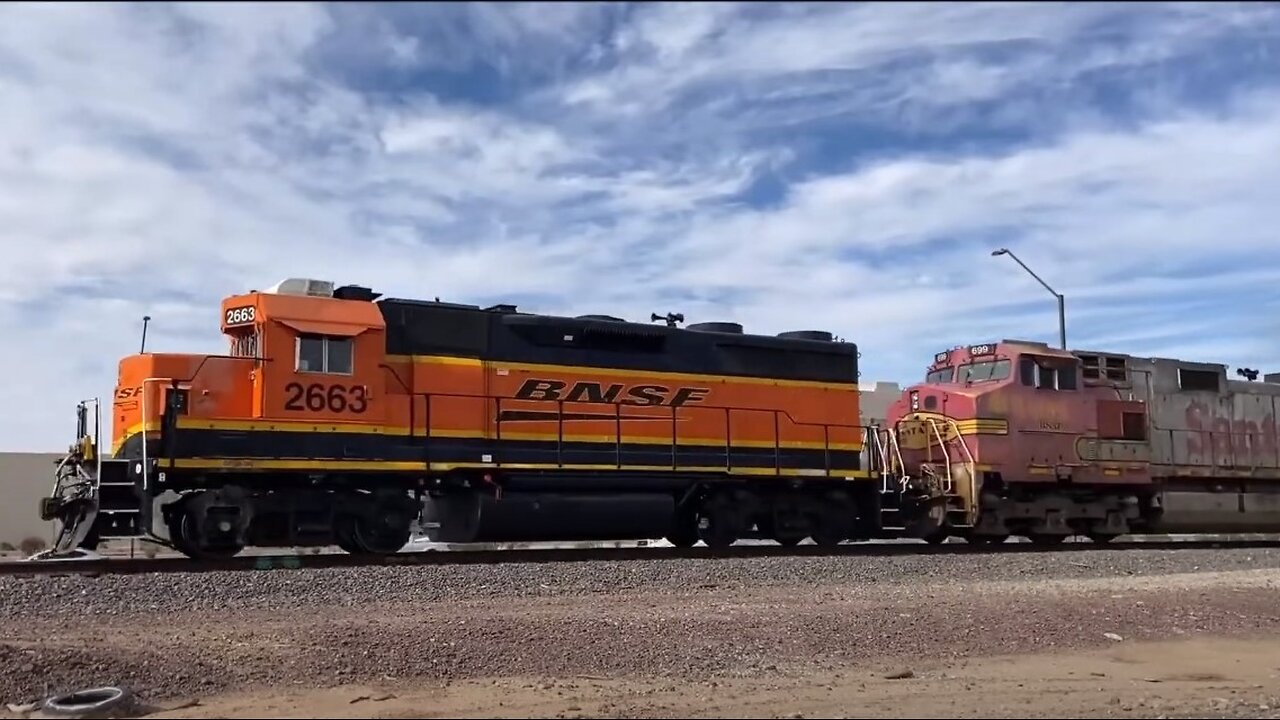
x,y
297,589
183,635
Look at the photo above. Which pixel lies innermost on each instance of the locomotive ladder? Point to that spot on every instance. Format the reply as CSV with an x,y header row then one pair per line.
x,y
891,462
969,463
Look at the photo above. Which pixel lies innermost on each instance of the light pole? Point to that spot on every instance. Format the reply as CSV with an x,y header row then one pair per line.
x,y
1062,312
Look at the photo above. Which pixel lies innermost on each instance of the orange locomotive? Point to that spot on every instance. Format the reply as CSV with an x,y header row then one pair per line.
x,y
341,417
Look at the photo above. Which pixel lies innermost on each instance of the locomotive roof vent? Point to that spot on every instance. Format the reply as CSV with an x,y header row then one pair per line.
x,y
606,318
302,286
720,327
356,292
819,335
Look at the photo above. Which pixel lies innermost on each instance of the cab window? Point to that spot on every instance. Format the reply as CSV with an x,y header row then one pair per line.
x,y
943,375
985,371
1047,374
325,354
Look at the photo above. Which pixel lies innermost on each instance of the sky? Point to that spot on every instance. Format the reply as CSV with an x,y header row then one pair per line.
x,y
846,167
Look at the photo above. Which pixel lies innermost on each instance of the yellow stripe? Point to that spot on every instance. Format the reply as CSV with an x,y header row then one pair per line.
x,y
617,372
968,426
982,425
437,360
257,464
787,472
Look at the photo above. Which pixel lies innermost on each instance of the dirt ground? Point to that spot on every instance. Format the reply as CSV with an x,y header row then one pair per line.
x,y
1130,635
1206,677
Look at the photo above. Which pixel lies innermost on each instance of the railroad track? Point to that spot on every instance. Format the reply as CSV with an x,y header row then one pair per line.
x,y
134,566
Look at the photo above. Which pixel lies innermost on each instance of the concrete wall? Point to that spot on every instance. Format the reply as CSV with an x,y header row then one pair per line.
x,y
24,479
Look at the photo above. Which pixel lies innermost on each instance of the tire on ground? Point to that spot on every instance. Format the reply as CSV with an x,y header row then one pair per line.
x,y
92,703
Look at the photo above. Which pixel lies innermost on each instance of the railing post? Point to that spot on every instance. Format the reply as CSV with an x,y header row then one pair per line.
x,y
728,443
673,437
559,432
497,423
617,422
426,421
826,447
777,445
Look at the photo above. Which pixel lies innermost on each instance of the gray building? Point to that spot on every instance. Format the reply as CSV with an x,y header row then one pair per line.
x,y
24,479
875,399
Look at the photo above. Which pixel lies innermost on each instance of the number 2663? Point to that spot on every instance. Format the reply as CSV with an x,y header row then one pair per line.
x,y
317,397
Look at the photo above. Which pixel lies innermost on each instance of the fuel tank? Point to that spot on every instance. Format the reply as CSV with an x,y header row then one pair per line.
x,y
536,516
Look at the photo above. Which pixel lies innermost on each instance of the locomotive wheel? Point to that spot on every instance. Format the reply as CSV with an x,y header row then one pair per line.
x,y
363,535
786,539
787,536
719,523
186,540
684,531
832,525
829,531
1103,538
717,531
1045,539
344,535
788,520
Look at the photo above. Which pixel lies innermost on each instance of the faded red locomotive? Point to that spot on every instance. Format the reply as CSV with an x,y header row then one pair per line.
x,y
1020,438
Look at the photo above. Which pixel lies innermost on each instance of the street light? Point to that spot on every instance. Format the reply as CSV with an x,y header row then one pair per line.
x,y
1062,312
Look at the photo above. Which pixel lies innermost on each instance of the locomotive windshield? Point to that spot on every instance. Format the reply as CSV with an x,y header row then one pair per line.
x,y
943,375
985,371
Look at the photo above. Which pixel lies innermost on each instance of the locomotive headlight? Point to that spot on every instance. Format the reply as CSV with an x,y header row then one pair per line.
x,y
915,400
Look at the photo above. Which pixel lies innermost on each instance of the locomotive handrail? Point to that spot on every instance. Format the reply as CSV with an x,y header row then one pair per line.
x,y
972,466
779,411
891,443
883,453
946,455
728,411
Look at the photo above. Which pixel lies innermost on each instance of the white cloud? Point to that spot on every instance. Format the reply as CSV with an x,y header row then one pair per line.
x,y
155,159
845,55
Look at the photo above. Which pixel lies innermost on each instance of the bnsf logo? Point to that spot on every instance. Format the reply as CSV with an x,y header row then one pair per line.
x,y
593,392
129,393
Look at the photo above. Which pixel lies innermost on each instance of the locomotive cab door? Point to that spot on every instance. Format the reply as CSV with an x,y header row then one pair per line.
x,y
325,371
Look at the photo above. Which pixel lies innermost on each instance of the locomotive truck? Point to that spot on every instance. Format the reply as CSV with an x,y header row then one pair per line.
x,y
341,417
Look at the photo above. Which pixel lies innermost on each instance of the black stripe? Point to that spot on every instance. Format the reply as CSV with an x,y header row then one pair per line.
x,y
266,444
